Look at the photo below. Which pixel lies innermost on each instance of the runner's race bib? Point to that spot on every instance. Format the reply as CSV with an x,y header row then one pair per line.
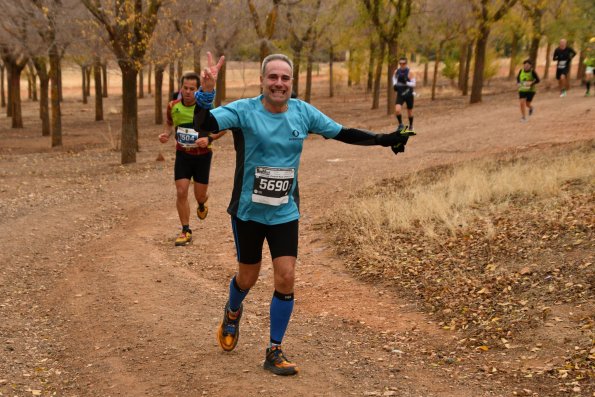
x,y
561,64
272,185
186,137
527,83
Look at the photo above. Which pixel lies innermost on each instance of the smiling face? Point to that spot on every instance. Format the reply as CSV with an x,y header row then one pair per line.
x,y
276,83
562,44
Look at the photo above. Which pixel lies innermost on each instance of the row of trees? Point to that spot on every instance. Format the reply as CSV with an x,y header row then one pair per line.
x,y
369,34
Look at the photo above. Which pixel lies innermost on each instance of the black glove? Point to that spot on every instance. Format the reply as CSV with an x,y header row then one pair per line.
x,y
396,140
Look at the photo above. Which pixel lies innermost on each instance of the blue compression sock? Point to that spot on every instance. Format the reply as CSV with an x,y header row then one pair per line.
x,y
281,308
236,295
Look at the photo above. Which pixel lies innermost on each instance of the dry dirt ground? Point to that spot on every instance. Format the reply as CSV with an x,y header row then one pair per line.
x,y
95,300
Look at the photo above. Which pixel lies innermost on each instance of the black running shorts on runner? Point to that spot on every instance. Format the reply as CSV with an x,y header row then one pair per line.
x,y
249,238
193,166
560,72
528,95
408,99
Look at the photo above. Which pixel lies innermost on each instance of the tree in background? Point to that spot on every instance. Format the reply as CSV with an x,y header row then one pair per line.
x,y
129,25
389,19
266,30
486,13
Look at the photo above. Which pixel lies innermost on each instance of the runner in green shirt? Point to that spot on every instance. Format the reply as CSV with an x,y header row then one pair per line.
x,y
526,80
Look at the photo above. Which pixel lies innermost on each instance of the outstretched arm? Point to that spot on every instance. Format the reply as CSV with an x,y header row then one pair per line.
x,y
396,140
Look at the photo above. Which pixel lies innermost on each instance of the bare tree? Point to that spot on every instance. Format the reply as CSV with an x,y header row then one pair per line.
x,y
389,18
129,25
486,13
264,31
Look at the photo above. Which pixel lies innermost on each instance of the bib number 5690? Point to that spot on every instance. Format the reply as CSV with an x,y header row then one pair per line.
x,y
274,185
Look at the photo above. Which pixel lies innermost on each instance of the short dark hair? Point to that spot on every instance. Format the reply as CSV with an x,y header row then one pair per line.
x,y
528,61
403,59
190,76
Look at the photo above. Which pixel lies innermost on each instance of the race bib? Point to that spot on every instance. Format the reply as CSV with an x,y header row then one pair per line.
x,y
272,185
561,64
186,137
527,83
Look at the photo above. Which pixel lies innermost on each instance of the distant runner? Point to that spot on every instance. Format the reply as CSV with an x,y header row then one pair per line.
x,y
193,155
269,132
563,55
404,85
589,65
526,79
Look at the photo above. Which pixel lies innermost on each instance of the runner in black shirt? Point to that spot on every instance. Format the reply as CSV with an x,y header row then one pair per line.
x,y
563,54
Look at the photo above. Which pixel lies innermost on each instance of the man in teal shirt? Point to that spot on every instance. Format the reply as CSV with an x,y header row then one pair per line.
x,y
269,132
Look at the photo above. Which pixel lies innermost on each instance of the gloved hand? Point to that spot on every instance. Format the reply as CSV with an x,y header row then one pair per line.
x,y
396,140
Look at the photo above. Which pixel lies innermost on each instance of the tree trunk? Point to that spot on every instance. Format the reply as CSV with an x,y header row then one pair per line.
x,y
435,74
56,121
15,84
150,74
308,94
350,68
331,91
392,63
462,58
2,92
44,83
84,87
172,88
29,84
88,78
159,69
426,71
297,58
465,88
180,72
514,48
377,77
9,91
104,79
141,83
263,50
371,60
34,86
220,88
129,136
548,60
98,90
196,59
580,72
59,80
479,66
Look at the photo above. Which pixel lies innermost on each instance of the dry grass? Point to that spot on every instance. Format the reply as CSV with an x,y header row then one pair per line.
x,y
452,199
497,252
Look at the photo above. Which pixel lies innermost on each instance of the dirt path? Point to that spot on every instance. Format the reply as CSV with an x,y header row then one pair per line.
x,y
96,301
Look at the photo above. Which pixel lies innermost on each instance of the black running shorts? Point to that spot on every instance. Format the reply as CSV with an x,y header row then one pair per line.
x,y
193,166
408,99
560,72
249,238
528,95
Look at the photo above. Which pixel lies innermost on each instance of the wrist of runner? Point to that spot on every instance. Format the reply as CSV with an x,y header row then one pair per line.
x,y
204,99
211,139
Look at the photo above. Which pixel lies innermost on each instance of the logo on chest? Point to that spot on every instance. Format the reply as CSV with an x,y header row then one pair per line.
x,y
297,136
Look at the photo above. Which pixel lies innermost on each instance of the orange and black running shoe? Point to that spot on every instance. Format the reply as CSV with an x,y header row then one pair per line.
x,y
202,211
229,329
184,238
276,362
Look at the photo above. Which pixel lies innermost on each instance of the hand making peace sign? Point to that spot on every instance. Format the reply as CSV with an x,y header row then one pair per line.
x,y
209,74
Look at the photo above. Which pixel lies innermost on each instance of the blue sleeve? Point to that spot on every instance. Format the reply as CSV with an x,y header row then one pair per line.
x,y
321,124
228,116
